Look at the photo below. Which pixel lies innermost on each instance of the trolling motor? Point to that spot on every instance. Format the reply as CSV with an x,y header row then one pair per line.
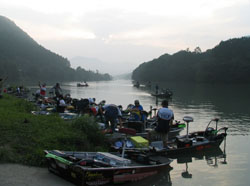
x,y
210,131
216,121
186,174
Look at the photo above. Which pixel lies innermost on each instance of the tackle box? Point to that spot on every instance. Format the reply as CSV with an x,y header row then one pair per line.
x,y
139,141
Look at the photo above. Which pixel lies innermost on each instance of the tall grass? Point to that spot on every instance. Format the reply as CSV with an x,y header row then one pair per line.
x,y
24,137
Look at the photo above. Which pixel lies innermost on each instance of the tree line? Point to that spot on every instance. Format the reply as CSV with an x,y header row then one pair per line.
x,y
228,62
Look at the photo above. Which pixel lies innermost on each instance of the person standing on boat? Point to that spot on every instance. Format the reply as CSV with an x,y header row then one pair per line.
x,y
92,101
42,89
165,117
156,89
111,113
57,90
86,84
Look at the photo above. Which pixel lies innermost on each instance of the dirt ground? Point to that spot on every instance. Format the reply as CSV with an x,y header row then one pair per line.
x,y
19,175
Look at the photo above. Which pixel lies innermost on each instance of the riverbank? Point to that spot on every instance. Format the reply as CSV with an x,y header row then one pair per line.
x,y
20,175
25,136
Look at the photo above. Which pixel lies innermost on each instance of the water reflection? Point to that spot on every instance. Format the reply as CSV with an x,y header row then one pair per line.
x,y
230,103
159,179
202,102
212,158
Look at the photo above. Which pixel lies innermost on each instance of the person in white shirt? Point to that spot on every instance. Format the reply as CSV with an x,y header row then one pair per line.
x,y
165,117
61,105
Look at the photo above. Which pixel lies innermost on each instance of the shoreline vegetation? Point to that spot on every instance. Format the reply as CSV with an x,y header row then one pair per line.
x,y
23,59
25,136
226,63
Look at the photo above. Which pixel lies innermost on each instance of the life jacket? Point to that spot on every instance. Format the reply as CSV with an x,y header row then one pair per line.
x,y
42,91
93,110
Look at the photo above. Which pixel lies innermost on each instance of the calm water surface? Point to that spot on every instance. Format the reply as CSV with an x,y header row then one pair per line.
x,y
230,103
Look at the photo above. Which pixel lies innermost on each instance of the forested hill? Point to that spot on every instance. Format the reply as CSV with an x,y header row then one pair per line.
x,y
228,62
23,60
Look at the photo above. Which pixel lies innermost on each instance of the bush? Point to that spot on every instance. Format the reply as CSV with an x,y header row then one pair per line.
x,y
24,136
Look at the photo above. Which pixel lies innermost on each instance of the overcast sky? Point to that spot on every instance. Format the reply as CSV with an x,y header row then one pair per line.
x,y
128,32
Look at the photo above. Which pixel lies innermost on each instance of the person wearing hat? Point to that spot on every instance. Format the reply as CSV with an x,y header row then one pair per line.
x,y
137,111
57,90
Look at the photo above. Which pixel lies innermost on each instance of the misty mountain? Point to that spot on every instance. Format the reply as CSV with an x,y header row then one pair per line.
x,y
22,59
102,67
88,63
228,62
126,76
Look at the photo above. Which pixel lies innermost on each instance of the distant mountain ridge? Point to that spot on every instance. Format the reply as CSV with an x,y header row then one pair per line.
x,y
228,62
23,59
87,63
95,64
126,76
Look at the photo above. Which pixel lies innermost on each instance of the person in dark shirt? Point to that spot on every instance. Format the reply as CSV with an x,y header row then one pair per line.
x,y
112,114
57,90
156,89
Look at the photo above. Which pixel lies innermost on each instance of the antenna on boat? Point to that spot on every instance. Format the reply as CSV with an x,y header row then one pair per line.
x,y
216,121
224,152
151,108
188,119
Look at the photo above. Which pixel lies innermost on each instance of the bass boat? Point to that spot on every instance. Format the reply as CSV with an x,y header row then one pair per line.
x,y
192,142
101,168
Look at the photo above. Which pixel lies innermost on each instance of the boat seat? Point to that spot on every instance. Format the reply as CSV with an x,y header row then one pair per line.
x,y
137,125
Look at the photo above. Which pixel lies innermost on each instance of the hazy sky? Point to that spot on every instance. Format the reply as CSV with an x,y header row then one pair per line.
x,y
128,32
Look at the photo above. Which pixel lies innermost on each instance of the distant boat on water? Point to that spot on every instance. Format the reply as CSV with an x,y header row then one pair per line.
x,y
82,84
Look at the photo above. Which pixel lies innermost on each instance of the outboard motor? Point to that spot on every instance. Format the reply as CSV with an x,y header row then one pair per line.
x,y
210,131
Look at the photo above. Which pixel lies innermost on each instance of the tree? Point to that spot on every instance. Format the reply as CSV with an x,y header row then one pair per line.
x,y
197,50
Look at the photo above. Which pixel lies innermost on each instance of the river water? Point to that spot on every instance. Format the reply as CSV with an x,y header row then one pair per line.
x,y
230,103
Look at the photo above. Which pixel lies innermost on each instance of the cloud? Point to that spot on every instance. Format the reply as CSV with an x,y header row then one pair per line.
x,y
131,31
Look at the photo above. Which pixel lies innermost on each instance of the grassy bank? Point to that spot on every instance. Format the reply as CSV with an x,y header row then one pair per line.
x,y
24,136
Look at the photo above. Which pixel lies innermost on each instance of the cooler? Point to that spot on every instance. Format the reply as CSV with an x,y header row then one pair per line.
x,y
139,141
